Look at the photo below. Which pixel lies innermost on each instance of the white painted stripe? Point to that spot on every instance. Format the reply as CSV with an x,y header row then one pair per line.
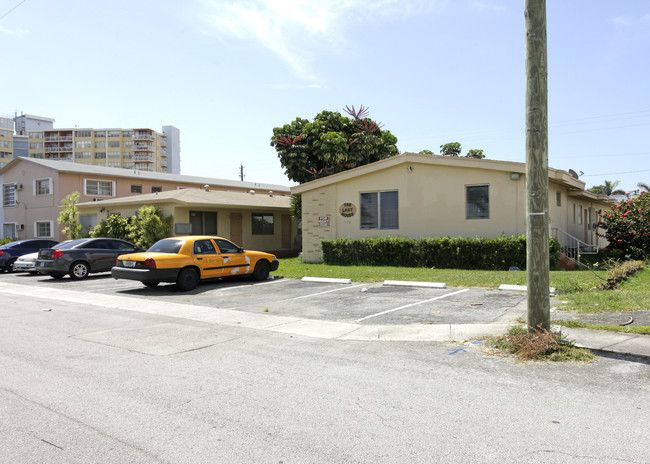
x,y
327,280
408,283
413,304
327,291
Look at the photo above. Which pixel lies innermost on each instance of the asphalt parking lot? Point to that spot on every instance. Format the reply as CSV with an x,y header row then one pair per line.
x,y
358,303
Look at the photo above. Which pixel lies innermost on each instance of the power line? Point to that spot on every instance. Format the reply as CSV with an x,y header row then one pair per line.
x,y
614,173
7,13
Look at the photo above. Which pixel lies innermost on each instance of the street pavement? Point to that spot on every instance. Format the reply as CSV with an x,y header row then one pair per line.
x,y
98,376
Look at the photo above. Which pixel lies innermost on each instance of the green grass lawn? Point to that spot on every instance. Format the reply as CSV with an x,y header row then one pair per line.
x,y
572,286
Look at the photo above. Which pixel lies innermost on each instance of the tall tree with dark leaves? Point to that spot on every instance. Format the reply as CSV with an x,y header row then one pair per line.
x,y
331,143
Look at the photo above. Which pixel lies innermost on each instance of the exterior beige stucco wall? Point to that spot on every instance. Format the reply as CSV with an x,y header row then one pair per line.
x,y
319,221
181,214
432,202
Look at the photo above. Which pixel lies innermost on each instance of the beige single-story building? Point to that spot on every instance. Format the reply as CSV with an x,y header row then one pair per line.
x,y
416,195
32,190
253,220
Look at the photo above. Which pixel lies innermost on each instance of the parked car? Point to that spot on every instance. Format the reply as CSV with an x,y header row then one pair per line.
x,y
27,263
82,256
10,252
186,260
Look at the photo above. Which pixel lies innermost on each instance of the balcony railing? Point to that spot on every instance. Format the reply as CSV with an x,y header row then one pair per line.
x,y
58,149
57,138
143,136
142,147
59,157
143,158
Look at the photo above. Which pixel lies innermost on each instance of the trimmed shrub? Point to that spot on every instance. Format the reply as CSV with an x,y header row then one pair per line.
x,y
441,252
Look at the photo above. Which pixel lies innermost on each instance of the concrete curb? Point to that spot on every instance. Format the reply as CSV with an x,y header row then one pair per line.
x,y
610,342
408,283
327,280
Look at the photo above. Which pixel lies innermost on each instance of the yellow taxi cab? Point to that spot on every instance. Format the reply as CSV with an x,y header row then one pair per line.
x,y
189,259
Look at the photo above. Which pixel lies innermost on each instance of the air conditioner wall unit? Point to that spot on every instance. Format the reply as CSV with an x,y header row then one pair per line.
x,y
20,226
19,186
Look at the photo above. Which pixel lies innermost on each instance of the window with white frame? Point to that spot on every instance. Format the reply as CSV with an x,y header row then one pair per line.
x,y
101,188
9,230
9,195
380,210
477,201
43,186
43,229
83,144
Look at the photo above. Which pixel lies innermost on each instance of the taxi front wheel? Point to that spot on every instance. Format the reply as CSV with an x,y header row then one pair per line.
x,y
261,271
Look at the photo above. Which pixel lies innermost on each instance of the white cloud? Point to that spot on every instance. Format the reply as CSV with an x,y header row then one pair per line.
x,y
4,30
297,29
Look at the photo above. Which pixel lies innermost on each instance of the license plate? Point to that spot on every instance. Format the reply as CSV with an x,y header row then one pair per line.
x,y
129,263
41,264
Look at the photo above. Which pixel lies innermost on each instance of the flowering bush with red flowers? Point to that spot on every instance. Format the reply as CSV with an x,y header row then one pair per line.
x,y
627,226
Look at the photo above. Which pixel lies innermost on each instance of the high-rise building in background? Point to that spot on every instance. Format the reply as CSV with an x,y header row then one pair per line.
x,y
143,149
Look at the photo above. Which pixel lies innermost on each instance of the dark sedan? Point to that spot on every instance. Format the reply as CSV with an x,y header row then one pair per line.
x,y
10,252
82,256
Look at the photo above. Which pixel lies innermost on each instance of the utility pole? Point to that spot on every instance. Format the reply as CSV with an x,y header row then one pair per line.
x,y
537,220
241,172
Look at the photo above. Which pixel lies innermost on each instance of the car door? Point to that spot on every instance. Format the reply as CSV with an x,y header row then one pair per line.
x,y
100,255
235,261
205,256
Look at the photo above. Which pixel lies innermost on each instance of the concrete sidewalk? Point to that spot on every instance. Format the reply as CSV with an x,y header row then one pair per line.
x,y
609,342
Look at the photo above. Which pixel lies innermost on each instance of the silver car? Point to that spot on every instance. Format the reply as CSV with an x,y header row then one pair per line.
x,y
26,263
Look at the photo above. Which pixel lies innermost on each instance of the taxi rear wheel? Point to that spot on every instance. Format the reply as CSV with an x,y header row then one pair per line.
x,y
261,271
187,279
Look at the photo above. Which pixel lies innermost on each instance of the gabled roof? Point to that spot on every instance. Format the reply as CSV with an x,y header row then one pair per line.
x,y
198,197
68,166
555,175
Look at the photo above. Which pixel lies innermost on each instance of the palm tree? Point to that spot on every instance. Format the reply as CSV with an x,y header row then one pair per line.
x,y
643,186
609,187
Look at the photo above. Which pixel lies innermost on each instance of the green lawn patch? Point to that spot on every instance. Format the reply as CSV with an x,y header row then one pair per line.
x,y
294,268
643,330
632,294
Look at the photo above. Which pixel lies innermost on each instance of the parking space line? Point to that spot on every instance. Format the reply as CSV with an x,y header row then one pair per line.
x,y
328,291
412,304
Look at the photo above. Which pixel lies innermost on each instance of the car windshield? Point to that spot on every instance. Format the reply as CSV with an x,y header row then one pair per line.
x,y
71,244
61,245
166,246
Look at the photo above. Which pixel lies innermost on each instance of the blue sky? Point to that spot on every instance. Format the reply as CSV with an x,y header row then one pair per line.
x,y
225,72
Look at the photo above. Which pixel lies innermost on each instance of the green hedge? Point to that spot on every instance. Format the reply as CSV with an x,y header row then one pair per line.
x,y
442,252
